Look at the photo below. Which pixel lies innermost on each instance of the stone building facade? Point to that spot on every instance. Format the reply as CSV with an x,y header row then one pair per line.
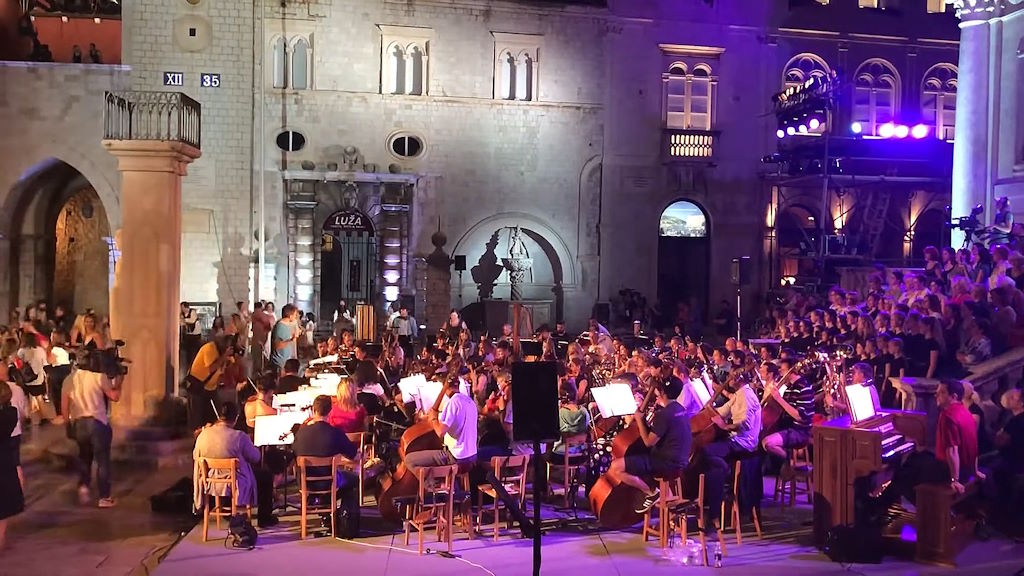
x,y
345,133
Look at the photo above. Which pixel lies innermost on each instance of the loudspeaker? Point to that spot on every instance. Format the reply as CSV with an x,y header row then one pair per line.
x,y
535,402
460,262
740,271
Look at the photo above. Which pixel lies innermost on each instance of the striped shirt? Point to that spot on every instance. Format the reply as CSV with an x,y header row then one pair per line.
x,y
800,395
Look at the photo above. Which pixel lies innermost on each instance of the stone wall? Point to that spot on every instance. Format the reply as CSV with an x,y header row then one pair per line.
x,y
81,276
205,37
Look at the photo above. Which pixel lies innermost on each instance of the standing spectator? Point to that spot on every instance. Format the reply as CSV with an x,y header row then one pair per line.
x,y
203,378
85,402
284,343
76,54
94,54
33,359
191,332
262,323
13,501
20,402
59,369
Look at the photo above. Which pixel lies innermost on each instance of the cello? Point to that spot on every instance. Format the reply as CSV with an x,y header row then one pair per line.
x,y
402,482
612,501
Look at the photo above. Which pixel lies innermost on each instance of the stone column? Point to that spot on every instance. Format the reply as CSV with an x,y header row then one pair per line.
x,y
970,152
439,283
145,297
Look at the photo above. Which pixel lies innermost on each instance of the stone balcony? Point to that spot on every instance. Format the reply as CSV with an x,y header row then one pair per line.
x,y
689,146
160,116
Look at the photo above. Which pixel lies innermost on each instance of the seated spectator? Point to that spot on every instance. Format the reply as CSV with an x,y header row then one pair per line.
x,y
1004,317
346,413
977,347
1007,465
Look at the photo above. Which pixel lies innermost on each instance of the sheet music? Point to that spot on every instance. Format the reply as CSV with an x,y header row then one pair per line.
x,y
276,429
326,381
331,359
410,387
300,399
862,407
614,400
427,395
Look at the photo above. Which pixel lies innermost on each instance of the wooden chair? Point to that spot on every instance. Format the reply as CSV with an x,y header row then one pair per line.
x,y
562,469
434,504
800,469
219,477
306,493
511,472
674,509
365,453
732,500
671,487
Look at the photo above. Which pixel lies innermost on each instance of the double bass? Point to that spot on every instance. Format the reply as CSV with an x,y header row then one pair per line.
x,y
612,501
403,483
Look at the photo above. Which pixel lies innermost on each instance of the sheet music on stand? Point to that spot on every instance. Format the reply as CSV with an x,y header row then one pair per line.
x,y
297,400
615,400
410,387
862,407
276,429
428,393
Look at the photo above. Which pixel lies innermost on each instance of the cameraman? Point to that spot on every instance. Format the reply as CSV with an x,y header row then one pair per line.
x,y
84,401
203,378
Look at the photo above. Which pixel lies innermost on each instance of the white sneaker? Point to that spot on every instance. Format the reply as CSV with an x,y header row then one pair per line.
x,y
107,503
84,497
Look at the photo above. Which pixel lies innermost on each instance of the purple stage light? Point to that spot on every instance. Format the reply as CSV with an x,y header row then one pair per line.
x,y
780,133
856,128
887,130
920,131
902,131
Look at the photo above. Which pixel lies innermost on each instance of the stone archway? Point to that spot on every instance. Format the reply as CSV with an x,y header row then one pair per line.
x,y
56,240
684,261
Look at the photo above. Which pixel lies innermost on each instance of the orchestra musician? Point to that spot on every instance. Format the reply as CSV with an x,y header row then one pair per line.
x,y
262,403
455,423
796,398
862,374
668,437
740,416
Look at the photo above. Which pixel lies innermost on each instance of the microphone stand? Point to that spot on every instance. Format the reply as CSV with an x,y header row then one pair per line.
x,y
536,508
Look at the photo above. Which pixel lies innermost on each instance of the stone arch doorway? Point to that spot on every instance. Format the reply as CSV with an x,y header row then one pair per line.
x,y
348,261
58,241
684,260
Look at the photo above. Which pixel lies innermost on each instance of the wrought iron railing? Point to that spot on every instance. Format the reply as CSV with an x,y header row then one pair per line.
x,y
689,145
136,115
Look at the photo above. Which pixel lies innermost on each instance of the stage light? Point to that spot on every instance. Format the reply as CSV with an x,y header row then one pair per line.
x,y
902,131
887,130
780,133
814,124
856,128
391,293
802,129
790,130
919,131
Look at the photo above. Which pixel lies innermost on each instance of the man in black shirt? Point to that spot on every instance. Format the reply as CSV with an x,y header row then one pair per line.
x,y
668,438
290,381
1007,464
321,440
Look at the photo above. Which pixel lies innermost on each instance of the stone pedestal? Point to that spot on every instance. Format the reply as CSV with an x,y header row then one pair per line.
x,y
145,297
438,283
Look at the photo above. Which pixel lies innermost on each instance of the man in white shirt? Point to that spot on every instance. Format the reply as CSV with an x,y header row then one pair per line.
x,y
740,416
455,424
85,398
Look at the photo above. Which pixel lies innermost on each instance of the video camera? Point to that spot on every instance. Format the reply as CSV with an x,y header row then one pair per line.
x,y
969,223
108,362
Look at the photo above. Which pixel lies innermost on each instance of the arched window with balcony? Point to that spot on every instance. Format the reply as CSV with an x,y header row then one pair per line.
x,y
689,96
279,59
938,99
802,68
300,64
876,95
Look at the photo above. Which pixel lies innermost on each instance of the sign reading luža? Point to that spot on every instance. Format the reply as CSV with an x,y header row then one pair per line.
x,y
348,221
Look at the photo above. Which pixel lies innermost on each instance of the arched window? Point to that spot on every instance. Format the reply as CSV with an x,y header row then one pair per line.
x,y
524,77
507,73
279,58
938,99
300,64
689,97
414,71
396,70
876,95
683,219
802,68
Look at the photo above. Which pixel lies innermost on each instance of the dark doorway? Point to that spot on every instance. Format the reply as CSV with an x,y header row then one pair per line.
x,y
684,254
929,230
348,261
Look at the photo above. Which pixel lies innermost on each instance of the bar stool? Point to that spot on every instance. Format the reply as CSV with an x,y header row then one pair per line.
x,y
732,500
463,496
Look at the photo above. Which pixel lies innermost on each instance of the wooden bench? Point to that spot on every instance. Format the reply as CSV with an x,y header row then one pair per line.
x,y
943,532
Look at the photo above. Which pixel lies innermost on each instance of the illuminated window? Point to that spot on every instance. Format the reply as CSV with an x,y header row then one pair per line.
x,y
683,219
689,97
802,68
935,6
938,99
875,95
404,60
515,66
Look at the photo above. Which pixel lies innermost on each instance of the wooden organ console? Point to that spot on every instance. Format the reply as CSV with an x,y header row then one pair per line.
x,y
845,452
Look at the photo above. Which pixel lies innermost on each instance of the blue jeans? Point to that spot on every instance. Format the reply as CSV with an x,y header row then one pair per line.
x,y
93,438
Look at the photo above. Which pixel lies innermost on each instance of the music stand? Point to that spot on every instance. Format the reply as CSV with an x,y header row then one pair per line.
x,y
614,400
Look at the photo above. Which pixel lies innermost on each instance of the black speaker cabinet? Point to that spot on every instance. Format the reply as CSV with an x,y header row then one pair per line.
x,y
740,271
535,401
460,262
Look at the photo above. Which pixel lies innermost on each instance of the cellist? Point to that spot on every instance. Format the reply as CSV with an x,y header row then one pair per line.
x,y
668,439
796,399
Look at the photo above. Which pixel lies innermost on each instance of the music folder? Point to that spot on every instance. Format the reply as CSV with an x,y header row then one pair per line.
x,y
276,429
427,394
615,400
410,387
862,407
